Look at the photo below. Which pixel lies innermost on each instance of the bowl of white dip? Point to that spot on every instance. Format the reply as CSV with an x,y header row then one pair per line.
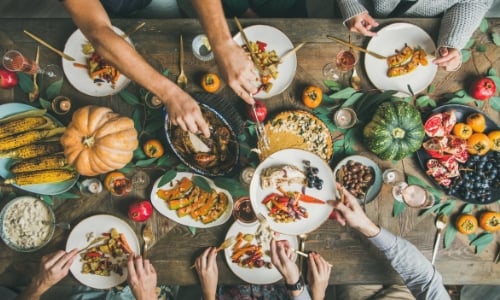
x,y
26,224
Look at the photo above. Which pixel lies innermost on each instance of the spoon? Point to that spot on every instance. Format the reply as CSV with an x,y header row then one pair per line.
x,y
355,80
181,79
441,223
147,236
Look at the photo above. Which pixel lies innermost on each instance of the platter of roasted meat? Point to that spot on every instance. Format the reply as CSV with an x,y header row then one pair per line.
x,y
459,155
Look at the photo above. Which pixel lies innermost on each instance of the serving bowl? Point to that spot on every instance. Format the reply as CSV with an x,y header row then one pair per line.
x,y
26,224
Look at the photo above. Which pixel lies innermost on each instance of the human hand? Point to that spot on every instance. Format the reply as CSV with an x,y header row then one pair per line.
x,y
282,257
318,274
53,267
450,59
237,68
362,23
351,213
206,267
141,277
185,112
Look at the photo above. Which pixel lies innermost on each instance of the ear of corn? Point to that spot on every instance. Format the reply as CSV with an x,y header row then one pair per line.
x,y
25,138
39,177
52,161
24,114
33,150
25,124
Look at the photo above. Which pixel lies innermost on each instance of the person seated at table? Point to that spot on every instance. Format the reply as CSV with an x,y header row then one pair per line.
x,y
206,267
235,66
460,18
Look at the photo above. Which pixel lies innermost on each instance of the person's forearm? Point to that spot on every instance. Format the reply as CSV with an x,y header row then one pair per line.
x,y
350,8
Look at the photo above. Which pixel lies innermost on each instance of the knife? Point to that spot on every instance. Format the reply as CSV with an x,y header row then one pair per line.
x,y
247,43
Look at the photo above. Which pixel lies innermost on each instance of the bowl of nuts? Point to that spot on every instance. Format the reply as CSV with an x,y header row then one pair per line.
x,y
360,176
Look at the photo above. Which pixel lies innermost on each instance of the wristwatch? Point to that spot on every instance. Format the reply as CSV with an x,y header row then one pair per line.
x,y
297,286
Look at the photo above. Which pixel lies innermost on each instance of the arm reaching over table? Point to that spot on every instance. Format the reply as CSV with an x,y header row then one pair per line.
x,y
208,273
236,67
141,277
53,267
95,24
421,278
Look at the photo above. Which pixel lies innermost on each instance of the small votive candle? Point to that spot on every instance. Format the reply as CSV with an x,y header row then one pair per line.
x,y
345,118
152,100
61,105
91,186
246,175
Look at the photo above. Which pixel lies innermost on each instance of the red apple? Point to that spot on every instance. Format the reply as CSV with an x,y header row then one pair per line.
x,y
8,79
260,109
482,88
140,211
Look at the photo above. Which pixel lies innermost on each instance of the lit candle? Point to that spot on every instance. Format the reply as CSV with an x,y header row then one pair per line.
x,y
345,118
61,105
65,105
155,101
246,175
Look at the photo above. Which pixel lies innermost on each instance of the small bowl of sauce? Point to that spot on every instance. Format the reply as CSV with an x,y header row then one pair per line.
x,y
243,211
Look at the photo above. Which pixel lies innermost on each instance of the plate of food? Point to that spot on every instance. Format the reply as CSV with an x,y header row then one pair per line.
x,y
105,242
360,176
17,121
250,255
408,67
448,154
89,73
297,129
192,200
213,156
290,188
269,44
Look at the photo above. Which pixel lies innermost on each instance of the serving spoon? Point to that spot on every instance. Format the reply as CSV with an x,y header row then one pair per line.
x,y
441,222
181,79
147,236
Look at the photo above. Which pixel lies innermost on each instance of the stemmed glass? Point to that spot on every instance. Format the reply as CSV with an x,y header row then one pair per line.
x,y
15,61
339,70
396,179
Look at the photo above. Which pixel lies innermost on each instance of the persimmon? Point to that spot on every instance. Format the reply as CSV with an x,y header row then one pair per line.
x,y
478,143
210,82
490,221
466,224
153,148
494,137
312,96
117,183
476,121
462,130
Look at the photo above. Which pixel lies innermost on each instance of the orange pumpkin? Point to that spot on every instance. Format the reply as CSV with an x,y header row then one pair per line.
x,y
210,82
494,137
478,143
97,140
466,224
490,221
312,96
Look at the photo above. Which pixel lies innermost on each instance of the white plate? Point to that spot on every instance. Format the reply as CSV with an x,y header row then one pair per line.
x,y
393,37
98,225
374,189
278,41
42,189
318,213
261,275
79,77
162,208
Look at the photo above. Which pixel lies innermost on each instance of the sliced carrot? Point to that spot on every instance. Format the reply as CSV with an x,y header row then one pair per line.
x,y
125,244
310,199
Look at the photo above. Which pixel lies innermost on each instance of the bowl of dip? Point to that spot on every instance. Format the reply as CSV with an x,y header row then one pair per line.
x,y
26,224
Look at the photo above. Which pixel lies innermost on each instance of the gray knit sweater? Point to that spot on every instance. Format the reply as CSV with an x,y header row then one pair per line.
x,y
460,17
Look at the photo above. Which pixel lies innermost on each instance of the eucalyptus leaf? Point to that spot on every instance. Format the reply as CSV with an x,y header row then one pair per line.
x,y
483,27
182,168
422,101
398,208
252,130
126,169
492,72
459,100
54,89
496,79
242,137
481,48
344,93
482,241
352,99
321,110
139,154
332,85
192,230
152,126
164,161
145,162
167,177
469,44
129,98
468,208
25,82
232,185
137,117
466,54
495,103
202,183
431,88
495,37
448,207
449,236
47,199
44,103
165,73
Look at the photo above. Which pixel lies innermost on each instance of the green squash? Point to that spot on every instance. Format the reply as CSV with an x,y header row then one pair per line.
x,y
395,131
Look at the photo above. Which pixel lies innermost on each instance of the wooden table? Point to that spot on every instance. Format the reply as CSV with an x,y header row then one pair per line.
x,y
355,261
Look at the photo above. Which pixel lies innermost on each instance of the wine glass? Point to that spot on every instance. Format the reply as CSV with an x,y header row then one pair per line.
x,y
15,61
339,70
140,180
417,197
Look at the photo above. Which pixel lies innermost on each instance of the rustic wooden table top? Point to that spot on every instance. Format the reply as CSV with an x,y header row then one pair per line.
x,y
355,261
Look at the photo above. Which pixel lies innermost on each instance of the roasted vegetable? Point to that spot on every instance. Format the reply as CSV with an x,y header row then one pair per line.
x,y
26,138
39,177
52,161
33,150
25,124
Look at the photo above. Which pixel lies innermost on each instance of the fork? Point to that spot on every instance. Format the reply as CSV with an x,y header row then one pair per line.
x,y
181,79
147,236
